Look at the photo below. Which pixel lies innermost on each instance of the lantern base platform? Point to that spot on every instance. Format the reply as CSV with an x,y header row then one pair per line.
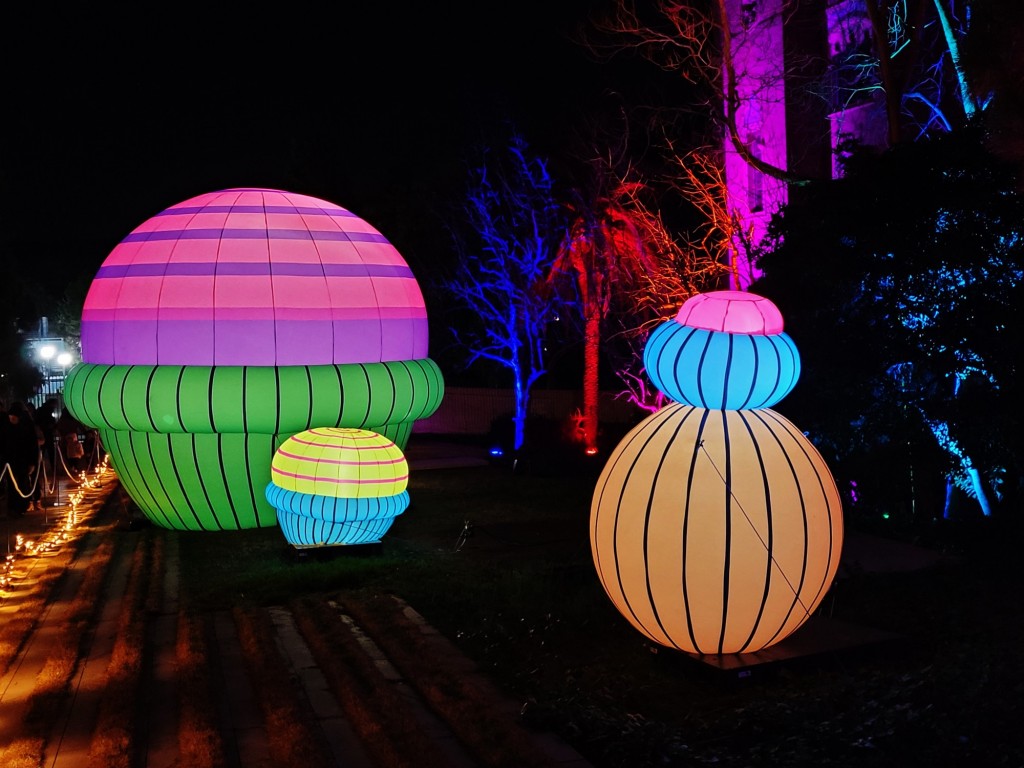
x,y
330,552
817,636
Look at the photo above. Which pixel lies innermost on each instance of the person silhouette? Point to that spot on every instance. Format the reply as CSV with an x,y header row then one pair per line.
x,y
22,453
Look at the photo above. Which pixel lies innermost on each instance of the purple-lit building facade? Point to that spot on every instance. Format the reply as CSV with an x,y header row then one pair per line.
x,y
791,109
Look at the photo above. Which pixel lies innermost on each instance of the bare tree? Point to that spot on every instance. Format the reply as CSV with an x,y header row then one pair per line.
x,y
628,271
679,267
730,50
504,259
698,42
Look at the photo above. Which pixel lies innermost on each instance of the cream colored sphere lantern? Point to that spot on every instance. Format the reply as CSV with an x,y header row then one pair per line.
x,y
717,530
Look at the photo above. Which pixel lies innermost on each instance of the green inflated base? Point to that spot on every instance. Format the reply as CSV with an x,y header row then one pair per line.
x,y
252,399
193,444
202,481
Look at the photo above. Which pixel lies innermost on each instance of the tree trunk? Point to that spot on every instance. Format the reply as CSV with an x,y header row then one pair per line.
x,y
521,408
591,347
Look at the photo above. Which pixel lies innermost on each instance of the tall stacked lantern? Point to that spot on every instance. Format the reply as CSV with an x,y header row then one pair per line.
x,y
229,322
716,526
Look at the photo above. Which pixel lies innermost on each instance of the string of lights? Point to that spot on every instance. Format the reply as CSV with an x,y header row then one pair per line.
x,y
83,502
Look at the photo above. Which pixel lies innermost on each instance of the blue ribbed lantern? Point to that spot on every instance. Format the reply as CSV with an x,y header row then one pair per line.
x,y
715,369
324,521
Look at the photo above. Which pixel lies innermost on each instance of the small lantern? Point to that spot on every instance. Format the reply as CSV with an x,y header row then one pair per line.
x,y
334,486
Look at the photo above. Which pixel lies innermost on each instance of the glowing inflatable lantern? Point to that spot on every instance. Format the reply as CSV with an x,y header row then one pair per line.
x,y
335,486
723,350
717,530
229,322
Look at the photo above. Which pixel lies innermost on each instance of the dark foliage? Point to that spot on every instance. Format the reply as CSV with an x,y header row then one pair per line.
x,y
900,284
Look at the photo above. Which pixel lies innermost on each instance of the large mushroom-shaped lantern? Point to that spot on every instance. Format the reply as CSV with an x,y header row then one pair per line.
x,y
229,322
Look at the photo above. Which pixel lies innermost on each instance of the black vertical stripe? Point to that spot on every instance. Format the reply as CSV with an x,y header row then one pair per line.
x,y
435,372
202,485
686,527
656,422
412,389
99,389
770,535
248,473
727,560
120,401
181,485
673,374
647,520
122,464
665,334
799,586
224,478
209,398
309,398
700,372
277,400
341,393
84,415
151,502
755,351
394,393
149,392
728,369
369,395
177,397
150,438
832,553
778,371
794,358
245,398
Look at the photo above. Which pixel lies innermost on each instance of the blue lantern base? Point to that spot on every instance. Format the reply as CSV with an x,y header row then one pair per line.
x,y
303,532
310,521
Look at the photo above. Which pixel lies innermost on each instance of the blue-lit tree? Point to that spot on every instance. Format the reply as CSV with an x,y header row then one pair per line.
x,y
511,233
902,283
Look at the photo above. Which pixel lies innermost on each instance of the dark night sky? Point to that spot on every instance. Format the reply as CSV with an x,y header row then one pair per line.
x,y
375,107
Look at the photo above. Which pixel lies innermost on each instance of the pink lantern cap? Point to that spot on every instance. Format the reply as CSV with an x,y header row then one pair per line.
x,y
731,312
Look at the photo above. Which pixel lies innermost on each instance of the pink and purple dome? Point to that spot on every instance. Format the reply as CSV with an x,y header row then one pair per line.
x,y
253,277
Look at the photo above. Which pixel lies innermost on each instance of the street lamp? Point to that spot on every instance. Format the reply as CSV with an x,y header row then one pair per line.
x,y
46,353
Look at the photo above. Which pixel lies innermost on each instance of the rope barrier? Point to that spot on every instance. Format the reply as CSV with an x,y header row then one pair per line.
x,y
49,486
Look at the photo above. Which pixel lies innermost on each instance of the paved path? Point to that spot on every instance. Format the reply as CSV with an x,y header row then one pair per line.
x,y
71,735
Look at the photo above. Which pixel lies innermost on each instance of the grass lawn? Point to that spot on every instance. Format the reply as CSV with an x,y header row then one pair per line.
x,y
499,562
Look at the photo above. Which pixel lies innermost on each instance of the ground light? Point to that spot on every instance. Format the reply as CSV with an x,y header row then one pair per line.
x,y
56,536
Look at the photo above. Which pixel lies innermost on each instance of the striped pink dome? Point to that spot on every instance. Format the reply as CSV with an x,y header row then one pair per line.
x,y
253,277
731,312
